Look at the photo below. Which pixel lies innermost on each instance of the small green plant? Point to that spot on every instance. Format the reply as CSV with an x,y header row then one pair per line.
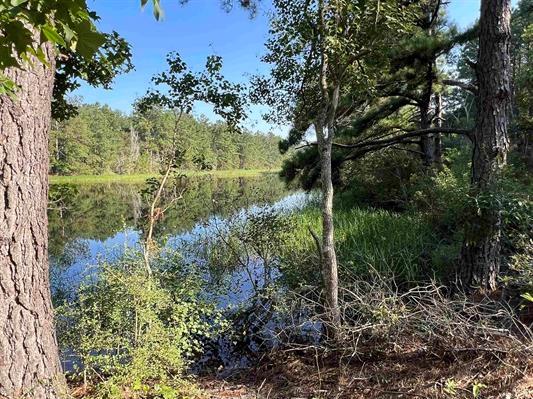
x,y
476,389
527,296
450,386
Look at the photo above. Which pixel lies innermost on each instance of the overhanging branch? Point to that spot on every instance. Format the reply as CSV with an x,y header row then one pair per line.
x,y
407,135
463,85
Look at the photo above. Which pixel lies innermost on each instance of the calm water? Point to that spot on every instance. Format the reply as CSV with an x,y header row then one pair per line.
x,y
88,223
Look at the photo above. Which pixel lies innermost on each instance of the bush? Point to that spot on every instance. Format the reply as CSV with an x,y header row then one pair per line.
x,y
133,333
380,179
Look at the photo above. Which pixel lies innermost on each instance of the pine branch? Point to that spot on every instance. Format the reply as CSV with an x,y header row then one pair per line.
x,y
407,135
463,85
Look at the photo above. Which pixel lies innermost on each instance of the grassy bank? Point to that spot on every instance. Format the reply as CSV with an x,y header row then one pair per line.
x,y
140,178
366,238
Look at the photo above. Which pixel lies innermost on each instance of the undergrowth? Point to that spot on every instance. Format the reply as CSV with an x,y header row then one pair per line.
x,y
127,334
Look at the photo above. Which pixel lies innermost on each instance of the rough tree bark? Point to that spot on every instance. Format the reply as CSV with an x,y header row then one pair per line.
x,y
481,248
29,360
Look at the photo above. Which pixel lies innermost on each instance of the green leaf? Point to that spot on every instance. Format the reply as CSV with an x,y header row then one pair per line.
x,y
51,35
7,86
476,389
70,35
158,12
527,296
88,43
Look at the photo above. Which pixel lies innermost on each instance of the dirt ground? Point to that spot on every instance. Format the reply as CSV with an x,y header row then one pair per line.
x,y
417,374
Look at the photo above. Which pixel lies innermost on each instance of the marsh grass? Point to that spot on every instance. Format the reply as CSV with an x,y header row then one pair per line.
x,y
391,243
141,178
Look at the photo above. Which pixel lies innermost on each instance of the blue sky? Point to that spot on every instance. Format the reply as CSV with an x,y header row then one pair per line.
x,y
196,30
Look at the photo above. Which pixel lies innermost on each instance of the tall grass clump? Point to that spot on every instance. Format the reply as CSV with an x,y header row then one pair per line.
x,y
366,239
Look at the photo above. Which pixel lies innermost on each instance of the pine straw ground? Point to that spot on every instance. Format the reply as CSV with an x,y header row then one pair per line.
x,y
408,374
416,344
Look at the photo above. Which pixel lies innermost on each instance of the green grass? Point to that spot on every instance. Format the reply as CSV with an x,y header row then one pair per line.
x,y
366,238
140,178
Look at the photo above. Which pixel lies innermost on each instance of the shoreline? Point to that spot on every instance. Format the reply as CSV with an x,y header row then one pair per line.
x,y
141,178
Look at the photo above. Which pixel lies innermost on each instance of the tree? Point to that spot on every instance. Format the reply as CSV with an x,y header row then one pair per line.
x,y
323,54
481,247
178,89
32,32
522,60
28,350
400,110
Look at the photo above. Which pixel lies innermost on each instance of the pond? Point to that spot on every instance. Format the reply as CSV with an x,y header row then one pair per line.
x,y
93,222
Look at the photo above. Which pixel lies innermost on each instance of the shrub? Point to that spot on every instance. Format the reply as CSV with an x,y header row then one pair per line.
x,y
380,179
133,333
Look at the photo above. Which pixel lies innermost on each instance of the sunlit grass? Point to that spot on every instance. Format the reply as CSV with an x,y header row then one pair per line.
x,y
140,178
366,238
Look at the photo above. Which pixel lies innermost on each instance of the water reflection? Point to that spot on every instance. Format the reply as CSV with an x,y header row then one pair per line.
x,y
101,222
90,220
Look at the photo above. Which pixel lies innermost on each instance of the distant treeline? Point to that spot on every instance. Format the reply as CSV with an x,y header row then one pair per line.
x,y
101,140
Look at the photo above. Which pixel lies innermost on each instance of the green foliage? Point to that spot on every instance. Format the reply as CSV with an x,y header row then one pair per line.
x,y
96,141
250,236
81,50
366,239
522,57
101,141
26,24
179,88
476,389
300,36
135,333
57,21
112,58
380,179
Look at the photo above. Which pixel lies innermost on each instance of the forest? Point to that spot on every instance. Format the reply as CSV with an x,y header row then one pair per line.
x,y
380,247
99,140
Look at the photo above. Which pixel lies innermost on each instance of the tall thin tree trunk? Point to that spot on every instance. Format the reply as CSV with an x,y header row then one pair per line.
x,y
527,141
29,359
325,133
481,248
437,137
328,255
427,142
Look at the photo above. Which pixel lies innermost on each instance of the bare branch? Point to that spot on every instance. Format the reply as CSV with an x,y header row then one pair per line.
x,y
463,85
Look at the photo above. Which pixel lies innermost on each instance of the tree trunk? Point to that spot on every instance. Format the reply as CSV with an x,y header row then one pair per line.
x,y
329,257
481,248
527,141
29,359
427,142
437,137
325,132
